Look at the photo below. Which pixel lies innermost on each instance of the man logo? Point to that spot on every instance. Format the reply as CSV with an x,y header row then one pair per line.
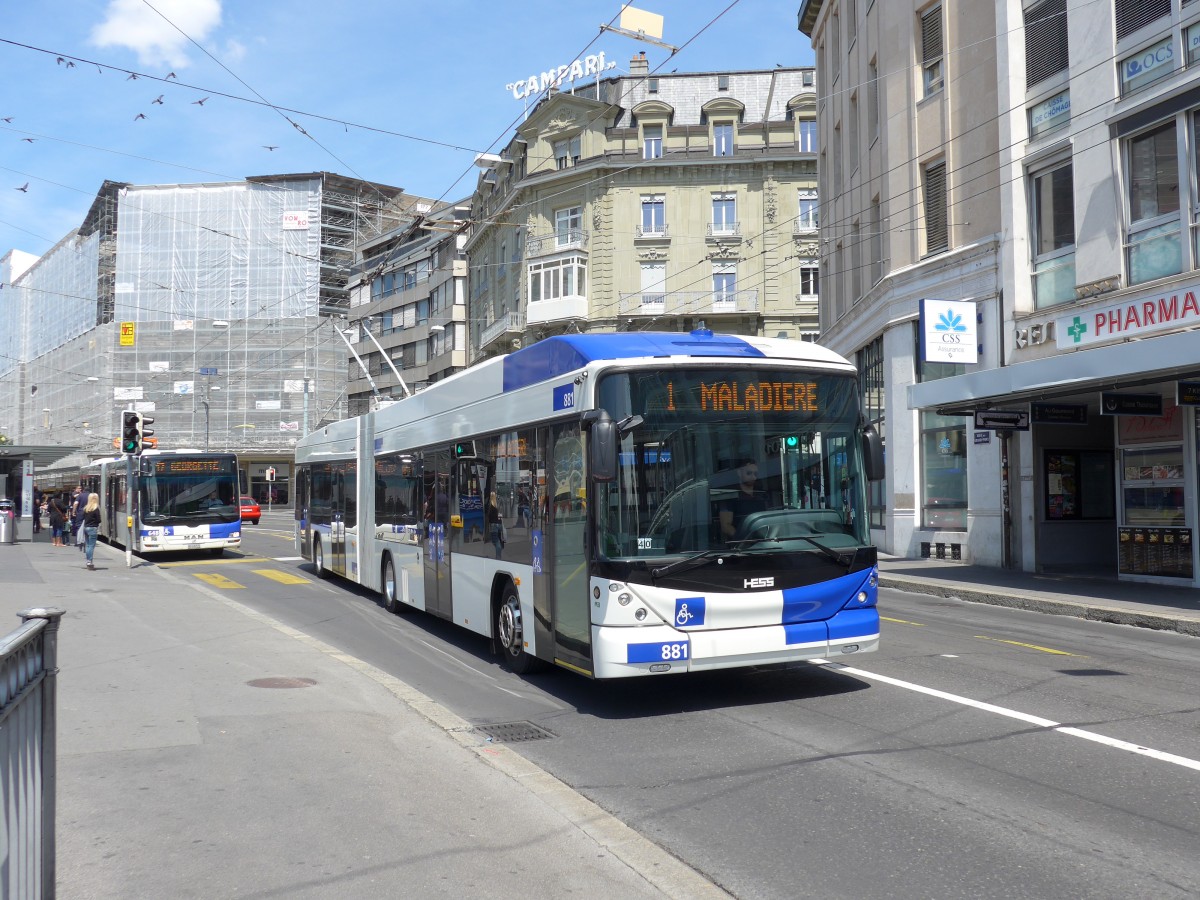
x,y
758,583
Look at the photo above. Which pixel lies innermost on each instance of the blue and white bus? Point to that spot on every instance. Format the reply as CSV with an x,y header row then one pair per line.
x,y
616,461
186,500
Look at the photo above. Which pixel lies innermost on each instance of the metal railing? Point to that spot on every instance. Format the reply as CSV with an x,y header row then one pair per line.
x,y
567,239
687,303
653,231
28,750
508,322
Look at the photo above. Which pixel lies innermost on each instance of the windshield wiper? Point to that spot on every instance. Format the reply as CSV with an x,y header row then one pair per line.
x,y
830,552
695,561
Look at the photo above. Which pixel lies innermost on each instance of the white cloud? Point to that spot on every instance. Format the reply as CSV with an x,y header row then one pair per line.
x,y
133,24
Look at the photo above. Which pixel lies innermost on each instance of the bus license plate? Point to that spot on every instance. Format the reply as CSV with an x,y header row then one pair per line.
x,y
667,651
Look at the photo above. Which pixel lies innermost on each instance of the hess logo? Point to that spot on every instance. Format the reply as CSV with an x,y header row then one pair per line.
x,y
758,583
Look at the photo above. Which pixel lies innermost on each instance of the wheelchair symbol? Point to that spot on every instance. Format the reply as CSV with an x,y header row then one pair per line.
x,y
683,616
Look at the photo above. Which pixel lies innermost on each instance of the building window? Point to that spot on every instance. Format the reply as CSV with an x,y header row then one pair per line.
x,y
1153,247
931,50
568,226
652,142
836,150
566,152
943,472
806,131
1134,14
1046,50
723,139
806,78
936,231
809,281
654,279
808,219
835,51
872,102
558,278
724,282
654,214
876,241
652,86
1052,209
722,82
1147,66
724,219
874,406
1049,115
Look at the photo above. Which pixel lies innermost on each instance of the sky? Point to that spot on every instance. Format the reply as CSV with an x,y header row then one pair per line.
x,y
391,91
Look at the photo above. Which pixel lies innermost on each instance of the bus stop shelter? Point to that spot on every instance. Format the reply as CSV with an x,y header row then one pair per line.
x,y
18,464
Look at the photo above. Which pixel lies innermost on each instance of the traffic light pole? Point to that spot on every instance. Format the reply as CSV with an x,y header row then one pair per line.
x,y
129,509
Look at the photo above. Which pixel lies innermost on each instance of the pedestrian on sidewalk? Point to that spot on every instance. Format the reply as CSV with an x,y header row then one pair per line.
x,y
77,504
91,526
58,520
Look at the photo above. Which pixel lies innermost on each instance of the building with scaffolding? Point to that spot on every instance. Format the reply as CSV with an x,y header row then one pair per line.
x,y
212,308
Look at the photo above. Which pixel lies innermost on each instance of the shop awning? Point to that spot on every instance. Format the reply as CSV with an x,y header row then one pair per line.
x,y
1127,365
42,456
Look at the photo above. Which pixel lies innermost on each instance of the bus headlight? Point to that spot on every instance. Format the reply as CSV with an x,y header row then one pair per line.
x,y
624,599
640,615
862,597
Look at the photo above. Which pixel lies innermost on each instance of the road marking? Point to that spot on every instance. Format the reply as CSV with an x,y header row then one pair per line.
x,y
286,558
216,580
281,577
1028,646
212,562
1019,716
903,622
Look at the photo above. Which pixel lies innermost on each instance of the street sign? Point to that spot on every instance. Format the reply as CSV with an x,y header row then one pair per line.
x,y
1114,404
1002,419
1187,393
1059,413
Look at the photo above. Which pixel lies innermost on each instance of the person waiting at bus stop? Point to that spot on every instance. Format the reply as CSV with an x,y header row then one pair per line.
x,y
745,502
91,527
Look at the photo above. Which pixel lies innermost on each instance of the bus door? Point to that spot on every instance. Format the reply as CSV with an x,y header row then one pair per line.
x,y
436,534
337,523
303,519
568,546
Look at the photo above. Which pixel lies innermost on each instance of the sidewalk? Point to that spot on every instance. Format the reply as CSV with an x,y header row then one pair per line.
x,y
1163,607
205,750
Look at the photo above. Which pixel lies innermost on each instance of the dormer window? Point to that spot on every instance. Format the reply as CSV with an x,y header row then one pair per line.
x,y
722,82
566,152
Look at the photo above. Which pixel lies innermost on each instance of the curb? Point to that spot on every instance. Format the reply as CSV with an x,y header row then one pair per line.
x,y
1096,613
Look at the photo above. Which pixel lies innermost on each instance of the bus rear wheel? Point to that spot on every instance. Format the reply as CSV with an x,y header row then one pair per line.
x,y
318,558
510,634
391,596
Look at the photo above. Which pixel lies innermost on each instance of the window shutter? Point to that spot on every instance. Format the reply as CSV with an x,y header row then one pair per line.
x,y
1135,14
931,35
1046,51
936,236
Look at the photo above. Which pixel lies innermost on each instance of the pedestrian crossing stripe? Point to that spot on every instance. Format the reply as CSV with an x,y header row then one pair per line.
x,y
215,580
281,576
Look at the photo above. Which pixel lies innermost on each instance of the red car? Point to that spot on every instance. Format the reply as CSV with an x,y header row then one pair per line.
x,y
250,510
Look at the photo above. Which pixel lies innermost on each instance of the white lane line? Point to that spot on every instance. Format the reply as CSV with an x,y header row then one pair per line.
x,y
287,558
1019,716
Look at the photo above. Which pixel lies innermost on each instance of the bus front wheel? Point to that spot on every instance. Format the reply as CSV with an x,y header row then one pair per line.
x,y
510,634
318,558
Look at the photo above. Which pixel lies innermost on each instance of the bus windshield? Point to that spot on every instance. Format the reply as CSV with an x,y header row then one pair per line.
x,y
753,460
184,490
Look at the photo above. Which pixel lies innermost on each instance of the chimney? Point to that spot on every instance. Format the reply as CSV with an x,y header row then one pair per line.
x,y
639,65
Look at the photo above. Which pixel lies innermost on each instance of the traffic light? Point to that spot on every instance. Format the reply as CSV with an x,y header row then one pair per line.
x,y
791,442
464,449
143,431
131,432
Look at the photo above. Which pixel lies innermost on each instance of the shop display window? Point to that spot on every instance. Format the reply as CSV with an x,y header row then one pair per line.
x,y
1079,485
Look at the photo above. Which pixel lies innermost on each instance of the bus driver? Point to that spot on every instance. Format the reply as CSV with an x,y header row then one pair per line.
x,y
745,502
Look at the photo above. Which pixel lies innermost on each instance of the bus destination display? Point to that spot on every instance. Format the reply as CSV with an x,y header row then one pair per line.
x,y
192,466
733,395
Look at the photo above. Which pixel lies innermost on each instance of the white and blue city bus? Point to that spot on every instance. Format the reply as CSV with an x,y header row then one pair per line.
x,y
616,461
186,500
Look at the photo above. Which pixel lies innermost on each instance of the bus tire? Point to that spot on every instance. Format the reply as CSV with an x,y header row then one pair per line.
x,y
318,558
510,633
389,593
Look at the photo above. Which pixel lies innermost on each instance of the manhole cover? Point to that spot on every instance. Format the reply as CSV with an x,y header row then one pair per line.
x,y
281,682
513,732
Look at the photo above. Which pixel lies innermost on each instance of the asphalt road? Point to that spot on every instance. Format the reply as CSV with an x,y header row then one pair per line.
x,y
983,752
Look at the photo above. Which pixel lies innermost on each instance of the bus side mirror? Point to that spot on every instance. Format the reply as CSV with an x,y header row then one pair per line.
x,y
872,449
603,440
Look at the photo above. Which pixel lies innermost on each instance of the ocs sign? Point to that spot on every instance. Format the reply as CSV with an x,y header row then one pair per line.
x,y
949,331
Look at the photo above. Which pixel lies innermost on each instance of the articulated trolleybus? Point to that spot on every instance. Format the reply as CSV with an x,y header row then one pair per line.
x,y
186,500
615,504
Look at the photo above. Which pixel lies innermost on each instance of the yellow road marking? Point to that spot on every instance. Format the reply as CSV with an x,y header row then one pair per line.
x,y
903,622
213,562
215,580
1027,646
281,576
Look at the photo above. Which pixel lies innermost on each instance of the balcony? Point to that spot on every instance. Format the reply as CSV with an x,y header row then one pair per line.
x,y
806,305
509,323
688,303
560,309
724,231
653,233
544,244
